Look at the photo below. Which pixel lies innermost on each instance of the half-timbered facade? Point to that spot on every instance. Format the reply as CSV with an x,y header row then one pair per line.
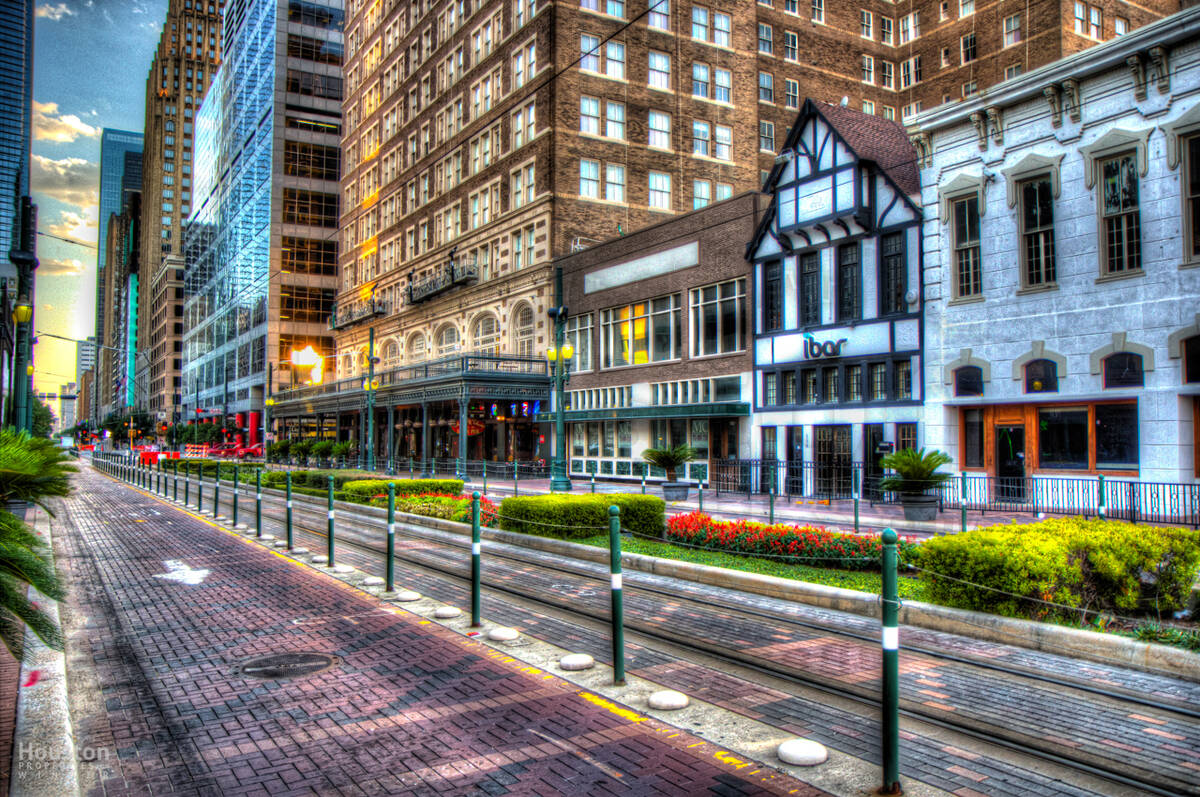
x,y
837,289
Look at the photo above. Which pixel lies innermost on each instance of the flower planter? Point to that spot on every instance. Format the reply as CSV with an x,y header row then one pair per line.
x,y
919,507
675,491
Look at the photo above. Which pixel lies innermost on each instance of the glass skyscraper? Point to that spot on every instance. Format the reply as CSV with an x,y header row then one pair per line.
x,y
16,99
260,245
120,173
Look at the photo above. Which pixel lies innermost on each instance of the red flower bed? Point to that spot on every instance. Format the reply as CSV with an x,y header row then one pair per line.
x,y
812,545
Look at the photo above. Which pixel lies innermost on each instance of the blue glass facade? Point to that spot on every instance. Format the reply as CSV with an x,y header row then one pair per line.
x,y
16,98
120,173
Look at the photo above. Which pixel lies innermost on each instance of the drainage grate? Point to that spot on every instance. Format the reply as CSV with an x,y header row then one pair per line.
x,y
286,665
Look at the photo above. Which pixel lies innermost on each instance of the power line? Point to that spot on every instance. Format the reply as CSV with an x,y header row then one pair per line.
x,y
69,240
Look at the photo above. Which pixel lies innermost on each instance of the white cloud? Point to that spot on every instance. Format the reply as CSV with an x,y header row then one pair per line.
x,y
60,267
77,226
72,181
49,125
54,12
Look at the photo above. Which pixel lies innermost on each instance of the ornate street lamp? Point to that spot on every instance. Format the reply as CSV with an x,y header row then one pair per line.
x,y
561,357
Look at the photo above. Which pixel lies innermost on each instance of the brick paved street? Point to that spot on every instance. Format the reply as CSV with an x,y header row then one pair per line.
x,y
411,708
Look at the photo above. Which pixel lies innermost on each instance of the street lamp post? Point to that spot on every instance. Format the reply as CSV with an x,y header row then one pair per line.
x,y
560,355
371,385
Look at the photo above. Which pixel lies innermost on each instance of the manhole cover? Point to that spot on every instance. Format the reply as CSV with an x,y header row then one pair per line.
x,y
286,665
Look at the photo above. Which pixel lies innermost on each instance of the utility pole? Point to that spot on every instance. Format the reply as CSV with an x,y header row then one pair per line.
x,y
371,400
24,257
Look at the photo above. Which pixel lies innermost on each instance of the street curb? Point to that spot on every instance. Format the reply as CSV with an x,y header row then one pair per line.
x,y
43,722
1045,637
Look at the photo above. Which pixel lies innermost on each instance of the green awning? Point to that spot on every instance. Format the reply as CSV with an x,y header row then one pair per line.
x,y
718,410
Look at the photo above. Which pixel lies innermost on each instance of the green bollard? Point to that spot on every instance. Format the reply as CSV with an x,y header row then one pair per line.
x,y
391,539
618,608
410,467
288,483
175,480
200,487
593,483
700,498
857,497
216,502
235,496
485,477
771,506
258,503
891,668
516,480
329,539
962,501
187,484
476,551
1101,509
643,479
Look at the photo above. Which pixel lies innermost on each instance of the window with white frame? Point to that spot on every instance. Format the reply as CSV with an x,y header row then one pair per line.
x,y
909,111
970,88
868,107
589,115
614,182
910,72
766,39
659,15
724,191
766,87
522,186
579,335
1013,70
642,333
967,50
700,23
701,138
660,190
718,318
1095,29
1120,26
723,142
522,248
910,27
887,75
791,93
722,29
590,53
589,179
523,329
701,80
485,334
614,60
1037,232
1191,197
868,69
447,340
966,8
766,136
885,31
1012,30
701,194
888,112
660,130
522,125
615,8
866,24
818,11
791,45
722,85
590,5
659,70
614,120
1122,217
968,270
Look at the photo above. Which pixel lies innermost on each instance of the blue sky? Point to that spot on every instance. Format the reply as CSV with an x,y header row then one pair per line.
x,y
91,58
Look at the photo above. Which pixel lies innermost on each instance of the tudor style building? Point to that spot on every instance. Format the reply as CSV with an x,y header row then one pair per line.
x,y
1062,266
837,296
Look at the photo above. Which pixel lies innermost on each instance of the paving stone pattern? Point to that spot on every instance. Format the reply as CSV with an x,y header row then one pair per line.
x,y
412,708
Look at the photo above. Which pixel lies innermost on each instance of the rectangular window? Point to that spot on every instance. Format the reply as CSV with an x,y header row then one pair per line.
x,y
773,297
909,28
973,438
579,335
1191,172
660,190
590,50
966,8
1120,26
1063,439
1122,219
766,136
700,23
818,11
722,29
722,85
868,107
868,69
1037,231
967,49
810,289
701,194
614,120
903,373
906,436
589,179
1117,436
766,39
893,275
723,143
660,130
1012,30
659,71
615,8
1094,23
789,387
791,45
968,272
808,383
854,383
770,398
766,87
660,14
887,75
885,30
614,182
701,138
589,115
830,390
718,318
641,333
970,89
866,28
791,96
614,60
1081,18
1012,71
724,191
700,78
910,72
849,285
878,374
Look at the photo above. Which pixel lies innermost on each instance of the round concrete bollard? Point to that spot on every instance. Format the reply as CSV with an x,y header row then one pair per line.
x,y
407,596
278,543
320,559
343,569
668,700
297,551
802,752
372,581
576,661
447,612
502,634
267,538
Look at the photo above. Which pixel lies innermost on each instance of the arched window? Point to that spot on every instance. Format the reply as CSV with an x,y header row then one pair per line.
x,y
968,381
523,331
391,354
1041,376
485,334
1191,359
1123,369
347,365
415,350
447,340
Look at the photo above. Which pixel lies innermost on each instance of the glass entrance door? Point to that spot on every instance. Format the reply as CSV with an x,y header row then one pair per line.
x,y
1010,463
872,437
834,461
794,482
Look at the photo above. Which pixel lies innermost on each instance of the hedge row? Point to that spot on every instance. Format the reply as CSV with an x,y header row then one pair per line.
x,y
314,478
811,545
447,507
580,516
1094,565
370,488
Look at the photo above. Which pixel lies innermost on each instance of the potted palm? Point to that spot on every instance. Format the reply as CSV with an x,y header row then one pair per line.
x,y
341,452
914,477
300,449
322,450
669,459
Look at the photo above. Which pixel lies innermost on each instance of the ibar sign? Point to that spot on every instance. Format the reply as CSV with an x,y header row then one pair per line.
x,y
815,349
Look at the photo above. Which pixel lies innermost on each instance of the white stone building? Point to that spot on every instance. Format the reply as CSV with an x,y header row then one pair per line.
x,y
1062,265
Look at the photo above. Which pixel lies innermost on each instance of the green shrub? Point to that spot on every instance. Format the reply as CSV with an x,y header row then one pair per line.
x,y
579,516
447,507
342,449
322,449
367,489
1091,565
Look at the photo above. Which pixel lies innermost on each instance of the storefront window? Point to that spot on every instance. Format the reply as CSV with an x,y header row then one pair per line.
x,y
973,438
593,439
1063,438
1116,436
578,437
641,333
624,439
607,446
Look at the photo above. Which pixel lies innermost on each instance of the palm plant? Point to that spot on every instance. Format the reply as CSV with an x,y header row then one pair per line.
x,y
916,471
669,458
32,469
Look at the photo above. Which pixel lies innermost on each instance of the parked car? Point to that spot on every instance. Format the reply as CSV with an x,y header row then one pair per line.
x,y
224,450
250,452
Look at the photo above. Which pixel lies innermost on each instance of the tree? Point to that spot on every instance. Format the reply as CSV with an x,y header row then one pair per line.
x,y
43,419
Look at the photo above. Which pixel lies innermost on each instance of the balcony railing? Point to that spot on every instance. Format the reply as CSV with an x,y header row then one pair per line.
x,y
356,311
427,371
456,272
